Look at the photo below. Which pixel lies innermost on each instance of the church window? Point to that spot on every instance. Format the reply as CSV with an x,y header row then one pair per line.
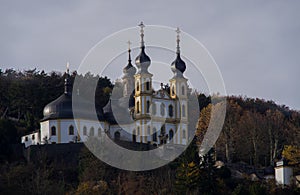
x,y
170,111
138,86
182,90
71,130
33,137
173,90
171,135
147,85
162,109
183,110
53,131
84,130
92,131
183,134
153,108
148,106
138,107
154,136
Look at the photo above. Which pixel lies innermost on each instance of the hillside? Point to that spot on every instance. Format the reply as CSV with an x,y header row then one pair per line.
x,y
254,133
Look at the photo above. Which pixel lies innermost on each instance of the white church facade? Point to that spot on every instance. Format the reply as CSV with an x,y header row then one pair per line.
x,y
150,116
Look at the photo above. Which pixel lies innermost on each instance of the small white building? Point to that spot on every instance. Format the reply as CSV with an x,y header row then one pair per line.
x,y
283,173
31,139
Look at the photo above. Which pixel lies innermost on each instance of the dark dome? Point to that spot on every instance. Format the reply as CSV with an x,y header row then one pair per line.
x,y
142,61
178,64
129,69
61,108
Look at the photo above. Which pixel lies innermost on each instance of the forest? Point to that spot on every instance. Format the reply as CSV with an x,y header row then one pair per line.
x,y
256,132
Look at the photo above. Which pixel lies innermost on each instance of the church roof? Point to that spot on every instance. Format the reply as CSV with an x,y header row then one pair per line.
x,y
62,107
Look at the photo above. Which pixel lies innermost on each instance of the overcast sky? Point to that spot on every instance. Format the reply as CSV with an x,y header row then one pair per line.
x,y
256,44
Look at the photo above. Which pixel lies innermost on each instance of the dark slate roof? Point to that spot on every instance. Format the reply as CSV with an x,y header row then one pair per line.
x,y
178,64
61,108
142,57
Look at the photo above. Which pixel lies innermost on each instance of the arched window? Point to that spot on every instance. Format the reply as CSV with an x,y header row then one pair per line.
x,y
134,135
147,85
183,110
182,90
171,135
71,130
99,132
84,131
148,106
163,129
33,137
137,86
53,131
138,107
26,139
154,135
183,133
173,90
162,109
153,108
92,132
117,135
170,111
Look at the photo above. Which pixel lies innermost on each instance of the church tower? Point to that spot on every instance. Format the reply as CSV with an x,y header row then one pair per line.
x,y
143,82
128,78
179,90
143,92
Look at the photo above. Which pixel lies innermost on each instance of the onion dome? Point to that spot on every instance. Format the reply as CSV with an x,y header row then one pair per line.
x,y
178,65
61,108
142,61
129,70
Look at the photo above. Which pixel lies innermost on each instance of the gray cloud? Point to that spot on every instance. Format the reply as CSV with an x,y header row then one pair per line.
x,y
255,43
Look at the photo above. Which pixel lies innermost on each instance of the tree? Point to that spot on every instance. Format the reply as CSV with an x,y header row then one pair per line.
x,y
252,128
275,126
233,113
292,155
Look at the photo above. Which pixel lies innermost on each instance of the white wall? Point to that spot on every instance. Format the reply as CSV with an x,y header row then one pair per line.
x,y
31,139
283,175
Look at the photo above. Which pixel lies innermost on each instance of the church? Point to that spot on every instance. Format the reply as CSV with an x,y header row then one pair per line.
x,y
141,115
